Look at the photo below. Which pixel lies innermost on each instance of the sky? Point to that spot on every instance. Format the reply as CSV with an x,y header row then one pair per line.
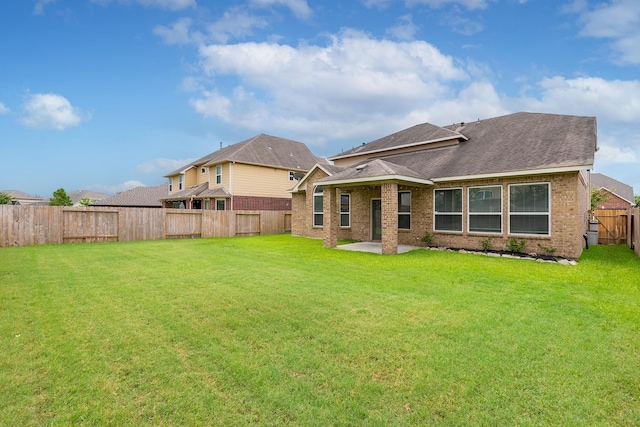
x,y
108,95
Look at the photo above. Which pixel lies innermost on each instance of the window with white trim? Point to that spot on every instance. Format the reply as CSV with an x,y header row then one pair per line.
x,y
170,184
318,211
485,209
219,174
404,210
447,208
221,204
530,209
292,176
180,182
345,210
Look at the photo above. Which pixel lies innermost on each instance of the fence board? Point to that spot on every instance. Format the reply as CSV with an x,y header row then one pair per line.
x,y
32,225
634,230
613,226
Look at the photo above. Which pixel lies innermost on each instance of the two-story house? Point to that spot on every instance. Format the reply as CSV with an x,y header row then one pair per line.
x,y
254,174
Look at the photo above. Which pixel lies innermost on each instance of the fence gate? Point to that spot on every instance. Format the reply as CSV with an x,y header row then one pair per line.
x,y
612,229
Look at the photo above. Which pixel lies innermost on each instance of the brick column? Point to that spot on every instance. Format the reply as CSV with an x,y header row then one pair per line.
x,y
330,220
389,192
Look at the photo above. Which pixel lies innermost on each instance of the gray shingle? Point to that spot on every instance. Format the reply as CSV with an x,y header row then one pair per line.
x,y
621,189
137,197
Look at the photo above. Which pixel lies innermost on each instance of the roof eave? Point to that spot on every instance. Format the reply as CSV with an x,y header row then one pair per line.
x,y
296,188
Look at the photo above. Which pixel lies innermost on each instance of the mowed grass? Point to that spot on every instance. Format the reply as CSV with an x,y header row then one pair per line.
x,y
278,330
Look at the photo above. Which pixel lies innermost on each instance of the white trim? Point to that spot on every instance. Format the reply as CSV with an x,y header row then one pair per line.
x,y
461,231
514,173
501,213
509,213
375,179
398,147
617,195
410,213
296,188
218,174
313,207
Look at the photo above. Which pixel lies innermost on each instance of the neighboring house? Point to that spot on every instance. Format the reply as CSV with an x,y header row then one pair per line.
x,y
78,195
621,195
254,174
522,176
139,197
22,198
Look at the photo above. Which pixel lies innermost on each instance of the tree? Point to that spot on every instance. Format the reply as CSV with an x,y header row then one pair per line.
x,y
5,199
86,201
638,201
60,198
599,196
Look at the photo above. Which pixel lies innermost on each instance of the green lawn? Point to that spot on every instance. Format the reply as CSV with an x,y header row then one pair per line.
x,y
278,330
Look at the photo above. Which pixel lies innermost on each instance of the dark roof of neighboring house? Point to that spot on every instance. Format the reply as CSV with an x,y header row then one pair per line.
x,y
616,187
511,144
17,194
78,195
262,150
137,197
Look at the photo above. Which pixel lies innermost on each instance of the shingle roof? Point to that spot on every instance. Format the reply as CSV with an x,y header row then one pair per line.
x,y
200,191
623,190
371,169
137,197
508,144
262,149
17,194
78,195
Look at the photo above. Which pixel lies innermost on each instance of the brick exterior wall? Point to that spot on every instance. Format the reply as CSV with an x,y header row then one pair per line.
x,y
615,202
569,215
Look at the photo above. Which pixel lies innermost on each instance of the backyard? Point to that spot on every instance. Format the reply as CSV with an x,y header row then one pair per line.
x,y
277,330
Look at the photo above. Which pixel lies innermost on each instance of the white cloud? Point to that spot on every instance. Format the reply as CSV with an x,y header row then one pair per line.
x,y
405,29
4,109
178,33
161,4
50,111
469,4
162,165
38,8
351,80
618,21
611,154
612,101
300,8
235,23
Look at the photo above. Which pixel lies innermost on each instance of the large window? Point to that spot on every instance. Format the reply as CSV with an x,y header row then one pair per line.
x,y
485,209
345,210
530,209
448,209
317,206
219,174
404,210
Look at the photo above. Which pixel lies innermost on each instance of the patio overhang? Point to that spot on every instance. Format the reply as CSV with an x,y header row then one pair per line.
x,y
374,180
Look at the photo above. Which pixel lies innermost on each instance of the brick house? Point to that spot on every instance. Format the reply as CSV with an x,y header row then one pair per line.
x,y
523,176
621,195
254,174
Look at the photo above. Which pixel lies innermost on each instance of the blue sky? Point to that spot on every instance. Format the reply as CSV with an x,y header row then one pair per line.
x,y
108,95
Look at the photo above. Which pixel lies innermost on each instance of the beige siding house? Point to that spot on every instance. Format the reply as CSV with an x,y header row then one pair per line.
x,y
255,174
523,176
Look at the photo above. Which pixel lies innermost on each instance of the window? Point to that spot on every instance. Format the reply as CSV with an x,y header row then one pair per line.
x,y
485,209
170,184
404,210
530,209
207,204
292,176
345,210
219,174
180,182
448,209
221,204
203,170
317,206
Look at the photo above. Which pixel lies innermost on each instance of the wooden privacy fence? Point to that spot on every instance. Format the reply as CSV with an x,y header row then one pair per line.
x,y
634,230
613,226
36,225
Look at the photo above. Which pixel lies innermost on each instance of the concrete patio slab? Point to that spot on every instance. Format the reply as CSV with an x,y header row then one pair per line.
x,y
374,247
